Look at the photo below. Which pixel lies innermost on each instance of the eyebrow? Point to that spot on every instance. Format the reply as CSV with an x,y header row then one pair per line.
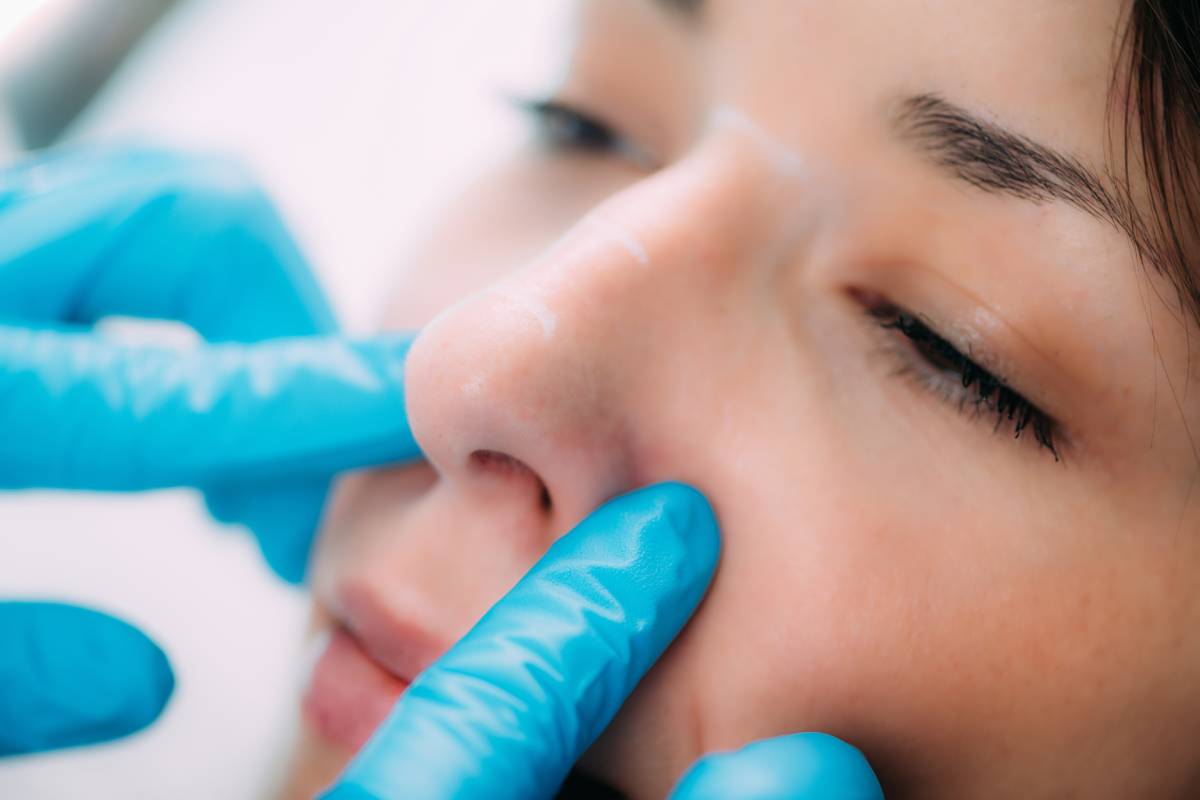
x,y
1000,161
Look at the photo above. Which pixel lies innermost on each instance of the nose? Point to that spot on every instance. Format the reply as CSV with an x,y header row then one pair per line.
x,y
516,407
562,386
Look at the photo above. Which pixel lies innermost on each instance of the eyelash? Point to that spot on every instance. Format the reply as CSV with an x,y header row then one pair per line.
x,y
976,391
565,128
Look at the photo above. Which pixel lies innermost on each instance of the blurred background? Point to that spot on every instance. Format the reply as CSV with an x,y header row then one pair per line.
x,y
361,117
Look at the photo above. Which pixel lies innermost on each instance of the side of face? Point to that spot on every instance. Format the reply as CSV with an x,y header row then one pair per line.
x,y
982,616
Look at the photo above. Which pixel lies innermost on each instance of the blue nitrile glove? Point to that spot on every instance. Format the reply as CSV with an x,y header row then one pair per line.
x,y
90,234
260,425
70,676
512,706
509,709
804,766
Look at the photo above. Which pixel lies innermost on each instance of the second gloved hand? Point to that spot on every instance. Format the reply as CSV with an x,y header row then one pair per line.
x,y
71,676
803,766
260,415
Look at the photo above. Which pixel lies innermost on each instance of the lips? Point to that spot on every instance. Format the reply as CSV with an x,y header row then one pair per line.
x,y
378,645
349,693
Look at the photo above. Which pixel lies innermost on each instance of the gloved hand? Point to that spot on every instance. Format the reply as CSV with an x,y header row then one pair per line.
x,y
513,705
70,676
260,422
86,235
803,766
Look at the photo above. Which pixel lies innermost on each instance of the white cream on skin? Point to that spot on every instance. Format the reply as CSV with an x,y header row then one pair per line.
x,y
525,303
474,387
622,236
598,231
787,162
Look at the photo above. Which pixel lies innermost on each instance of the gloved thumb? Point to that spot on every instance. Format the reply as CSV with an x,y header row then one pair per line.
x,y
71,676
804,766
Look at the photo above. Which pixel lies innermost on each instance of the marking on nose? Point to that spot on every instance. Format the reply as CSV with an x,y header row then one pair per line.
x,y
623,237
474,387
531,306
786,161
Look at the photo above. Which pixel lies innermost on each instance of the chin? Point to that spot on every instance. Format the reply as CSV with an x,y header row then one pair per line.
x,y
312,766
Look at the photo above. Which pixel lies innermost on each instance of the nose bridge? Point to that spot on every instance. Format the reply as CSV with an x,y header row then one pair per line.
x,y
553,365
731,197
725,214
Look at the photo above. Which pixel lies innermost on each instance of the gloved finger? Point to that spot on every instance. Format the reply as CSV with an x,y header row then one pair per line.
x,y
81,413
282,516
804,766
511,707
95,232
70,676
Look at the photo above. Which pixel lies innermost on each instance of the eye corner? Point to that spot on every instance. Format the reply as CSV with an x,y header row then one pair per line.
x,y
867,299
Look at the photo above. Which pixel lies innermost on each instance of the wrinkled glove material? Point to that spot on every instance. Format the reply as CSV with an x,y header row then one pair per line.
x,y
510,708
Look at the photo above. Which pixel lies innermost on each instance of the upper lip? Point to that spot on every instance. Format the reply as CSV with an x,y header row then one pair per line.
x,y
401,646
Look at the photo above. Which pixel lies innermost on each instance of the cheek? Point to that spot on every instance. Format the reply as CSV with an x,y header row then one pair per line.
x,y
942,622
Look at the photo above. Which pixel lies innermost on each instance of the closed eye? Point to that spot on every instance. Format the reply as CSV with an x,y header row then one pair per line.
x,y
564,128
561,126
942,368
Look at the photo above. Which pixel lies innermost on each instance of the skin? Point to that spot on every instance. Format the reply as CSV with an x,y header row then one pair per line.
x,y
982,619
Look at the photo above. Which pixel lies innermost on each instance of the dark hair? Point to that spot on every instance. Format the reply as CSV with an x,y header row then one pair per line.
x,y
1159,83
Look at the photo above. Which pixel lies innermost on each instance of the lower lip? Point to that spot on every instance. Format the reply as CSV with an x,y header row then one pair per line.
x,y
349,695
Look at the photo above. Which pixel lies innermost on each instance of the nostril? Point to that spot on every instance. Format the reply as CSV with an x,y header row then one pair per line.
x,y
505,466
500,463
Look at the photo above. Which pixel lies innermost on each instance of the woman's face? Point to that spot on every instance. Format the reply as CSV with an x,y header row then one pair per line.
x,y
824,261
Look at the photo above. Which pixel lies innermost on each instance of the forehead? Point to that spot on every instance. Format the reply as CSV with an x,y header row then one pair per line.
x,y
1043,67
1073,34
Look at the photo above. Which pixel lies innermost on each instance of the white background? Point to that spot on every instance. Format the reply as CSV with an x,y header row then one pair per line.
x,y
360,116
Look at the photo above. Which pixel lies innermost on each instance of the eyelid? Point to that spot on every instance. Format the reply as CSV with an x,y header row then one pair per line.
x,y
986,325
981,333
976,391
967,341
623,145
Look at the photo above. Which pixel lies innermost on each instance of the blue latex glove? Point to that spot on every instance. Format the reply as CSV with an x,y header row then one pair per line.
x,y
508,710
70,676
804,766
259,421
85,235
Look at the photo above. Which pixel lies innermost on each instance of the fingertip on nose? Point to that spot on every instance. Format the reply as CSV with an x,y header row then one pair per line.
x,y
694,520
678,528
686,508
